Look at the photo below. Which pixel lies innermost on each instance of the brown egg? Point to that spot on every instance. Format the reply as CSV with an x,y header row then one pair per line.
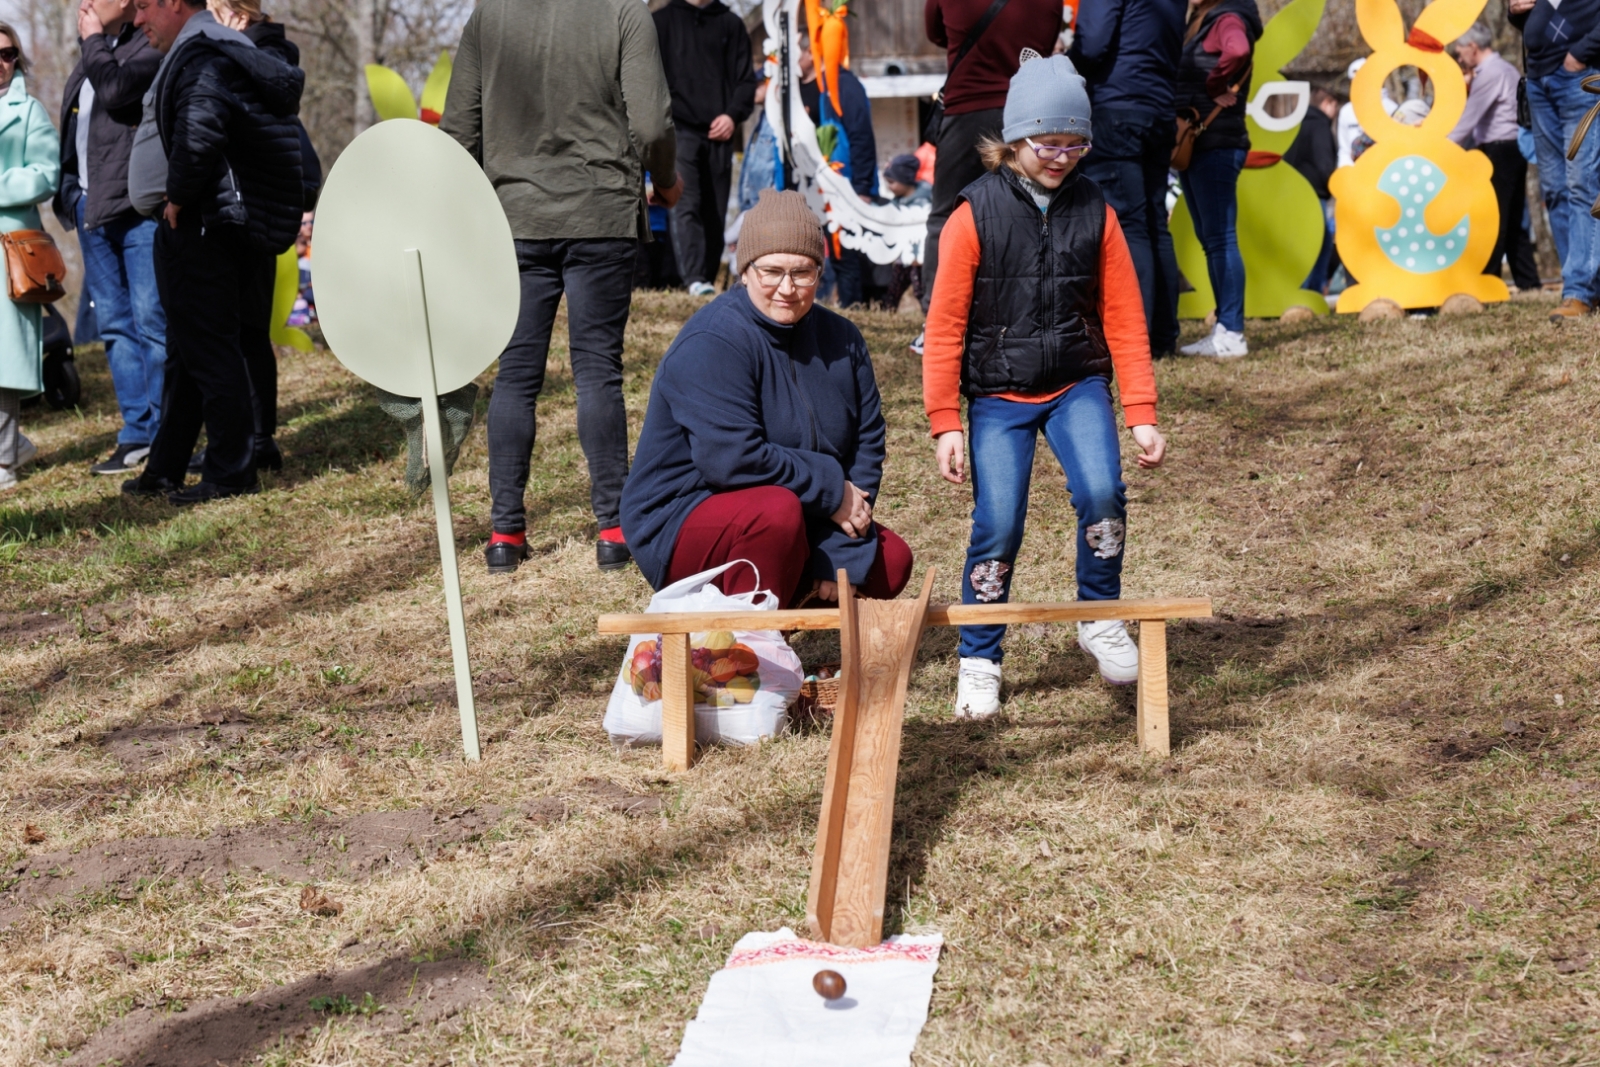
x,y
830,984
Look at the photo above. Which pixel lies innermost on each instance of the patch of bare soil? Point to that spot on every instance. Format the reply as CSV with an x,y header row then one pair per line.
x,y
29,627
139,747
352,849
389,997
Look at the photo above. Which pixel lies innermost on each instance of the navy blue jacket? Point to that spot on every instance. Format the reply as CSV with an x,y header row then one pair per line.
x,y
1127,50
857,123
739,402
1549,33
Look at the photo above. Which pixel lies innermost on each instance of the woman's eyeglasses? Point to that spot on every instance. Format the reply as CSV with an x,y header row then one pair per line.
x,y
803,277
1049,152
10,55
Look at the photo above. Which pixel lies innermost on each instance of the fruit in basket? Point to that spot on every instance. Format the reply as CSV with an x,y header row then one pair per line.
x,y
644,669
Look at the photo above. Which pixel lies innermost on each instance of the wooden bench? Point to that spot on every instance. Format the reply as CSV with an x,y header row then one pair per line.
x,y
677,686
878,642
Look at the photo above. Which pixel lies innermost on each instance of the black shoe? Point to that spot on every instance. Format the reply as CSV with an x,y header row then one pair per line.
x,y
147,485
612,555
503,557
197,462
268,458
205,492
125,460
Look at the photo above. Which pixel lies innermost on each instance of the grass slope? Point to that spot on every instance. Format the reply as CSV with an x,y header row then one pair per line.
x,y
1374,842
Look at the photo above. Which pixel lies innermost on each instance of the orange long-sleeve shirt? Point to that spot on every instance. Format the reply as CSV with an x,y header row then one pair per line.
x,y
1121,316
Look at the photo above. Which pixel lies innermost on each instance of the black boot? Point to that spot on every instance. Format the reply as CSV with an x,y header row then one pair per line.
x,y
205,492
149,486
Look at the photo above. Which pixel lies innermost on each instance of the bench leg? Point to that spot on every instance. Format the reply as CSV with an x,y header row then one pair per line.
x,y
677,703
1152,699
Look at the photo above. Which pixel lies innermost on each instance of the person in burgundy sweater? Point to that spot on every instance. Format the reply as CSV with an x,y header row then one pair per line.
x,y
974,95
1214,76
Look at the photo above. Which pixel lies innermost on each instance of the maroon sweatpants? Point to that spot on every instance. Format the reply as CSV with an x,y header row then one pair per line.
x,y
765,526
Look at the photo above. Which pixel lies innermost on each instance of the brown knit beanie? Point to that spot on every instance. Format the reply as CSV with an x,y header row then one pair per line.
x,y
781,221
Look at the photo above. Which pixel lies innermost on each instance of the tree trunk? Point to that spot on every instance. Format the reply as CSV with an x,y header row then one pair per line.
x,y
363,34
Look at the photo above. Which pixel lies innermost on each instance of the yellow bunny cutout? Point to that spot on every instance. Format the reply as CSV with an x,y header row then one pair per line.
x,y
1416,214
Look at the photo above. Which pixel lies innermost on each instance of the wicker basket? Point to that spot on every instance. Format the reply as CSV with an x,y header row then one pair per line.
x,y
819,696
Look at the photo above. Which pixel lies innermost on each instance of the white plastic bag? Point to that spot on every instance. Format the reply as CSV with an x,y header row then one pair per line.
x,y
745,680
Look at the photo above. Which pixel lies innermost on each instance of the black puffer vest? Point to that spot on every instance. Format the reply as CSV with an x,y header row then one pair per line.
x,y
1035,324
1227,130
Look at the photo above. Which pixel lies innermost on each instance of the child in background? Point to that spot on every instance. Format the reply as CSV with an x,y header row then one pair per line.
x,y
900,179
1035,303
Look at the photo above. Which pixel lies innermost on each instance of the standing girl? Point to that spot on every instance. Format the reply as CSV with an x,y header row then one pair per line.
x,y
1035,302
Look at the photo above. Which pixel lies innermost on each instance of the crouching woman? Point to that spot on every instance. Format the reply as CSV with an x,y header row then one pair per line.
x,y
764,438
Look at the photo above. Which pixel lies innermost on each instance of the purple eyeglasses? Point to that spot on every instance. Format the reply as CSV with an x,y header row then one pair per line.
x,y
1048,152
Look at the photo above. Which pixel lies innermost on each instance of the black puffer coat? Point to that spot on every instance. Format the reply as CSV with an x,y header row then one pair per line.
x,y
270,37
226,114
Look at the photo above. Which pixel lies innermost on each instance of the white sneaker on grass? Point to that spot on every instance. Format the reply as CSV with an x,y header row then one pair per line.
x,y
1108,642
26,452
916,346
1221,343
8,478
698,289
978,689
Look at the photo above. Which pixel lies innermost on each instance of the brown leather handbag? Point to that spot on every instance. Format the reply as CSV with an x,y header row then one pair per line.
x,y
1190,127
35,271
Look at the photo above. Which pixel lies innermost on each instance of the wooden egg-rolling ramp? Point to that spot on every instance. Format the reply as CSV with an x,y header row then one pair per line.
x,y
878,642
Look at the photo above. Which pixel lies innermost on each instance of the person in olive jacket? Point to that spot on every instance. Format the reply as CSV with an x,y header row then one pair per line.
x,y
100,111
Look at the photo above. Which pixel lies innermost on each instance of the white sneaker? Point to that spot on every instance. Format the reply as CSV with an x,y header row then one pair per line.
x,y
1202,347
1108,642
1221,343
916,346
978,689
702,289
26,451
8,478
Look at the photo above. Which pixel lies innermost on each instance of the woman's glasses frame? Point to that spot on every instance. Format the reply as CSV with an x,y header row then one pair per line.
x,y
1050,152
801,277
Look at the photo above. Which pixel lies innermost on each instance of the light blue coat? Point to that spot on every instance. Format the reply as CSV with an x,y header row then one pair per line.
x,y
30,165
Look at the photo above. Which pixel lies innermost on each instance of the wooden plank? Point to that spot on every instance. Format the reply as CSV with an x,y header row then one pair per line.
x,y
887,633
841,760
1069,611
1151,720
677,703
938,615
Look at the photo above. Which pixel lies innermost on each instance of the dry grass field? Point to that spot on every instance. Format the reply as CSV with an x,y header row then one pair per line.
x,y
238,826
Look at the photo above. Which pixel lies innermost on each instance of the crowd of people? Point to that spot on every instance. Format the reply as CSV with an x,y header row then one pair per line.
x,y
185,171
183,167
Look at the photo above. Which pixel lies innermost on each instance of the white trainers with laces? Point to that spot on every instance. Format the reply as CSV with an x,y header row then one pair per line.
x,y
1108,642
699,289
978,689
27,451
1220,343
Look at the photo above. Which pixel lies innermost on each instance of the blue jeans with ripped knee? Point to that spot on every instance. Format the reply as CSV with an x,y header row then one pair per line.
x,y
1081,429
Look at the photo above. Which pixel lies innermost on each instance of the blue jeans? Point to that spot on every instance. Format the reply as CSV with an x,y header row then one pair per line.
x,y
1081,429
1132,153
1569,188
1211,186
119,268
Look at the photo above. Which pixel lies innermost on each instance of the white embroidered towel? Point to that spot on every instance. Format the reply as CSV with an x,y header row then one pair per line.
x,y
760,1009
